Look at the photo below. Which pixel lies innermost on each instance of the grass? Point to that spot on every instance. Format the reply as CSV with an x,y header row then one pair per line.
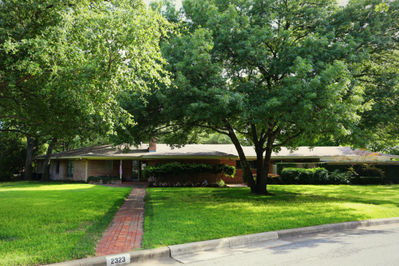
x,y
51,222
180,215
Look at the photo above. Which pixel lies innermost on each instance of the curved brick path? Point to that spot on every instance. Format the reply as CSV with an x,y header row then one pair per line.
x,y
126,229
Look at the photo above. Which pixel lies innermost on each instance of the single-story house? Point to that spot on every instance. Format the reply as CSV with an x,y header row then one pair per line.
x,y
128,162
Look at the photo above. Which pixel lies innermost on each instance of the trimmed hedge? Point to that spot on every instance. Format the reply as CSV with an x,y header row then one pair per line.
x,y
318,175
369,173
283,165
361,174
185,174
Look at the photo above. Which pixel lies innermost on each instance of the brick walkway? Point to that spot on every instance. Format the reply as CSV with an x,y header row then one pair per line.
x,y
126,229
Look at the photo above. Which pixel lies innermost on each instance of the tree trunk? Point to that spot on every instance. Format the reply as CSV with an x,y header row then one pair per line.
x,y
260,172
46,161
28,170
247,174
268,156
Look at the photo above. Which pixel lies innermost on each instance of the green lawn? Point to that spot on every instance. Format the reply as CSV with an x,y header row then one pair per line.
x,y
51,222
179,215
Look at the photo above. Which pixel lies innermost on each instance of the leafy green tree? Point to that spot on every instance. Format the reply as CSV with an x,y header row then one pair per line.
x,y
379,127
12,154
63,63
279,73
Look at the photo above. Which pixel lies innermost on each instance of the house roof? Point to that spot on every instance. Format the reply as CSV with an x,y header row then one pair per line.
x,y
220,151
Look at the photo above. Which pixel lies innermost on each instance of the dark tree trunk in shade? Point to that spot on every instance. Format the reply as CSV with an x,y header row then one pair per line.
x,y
30,146
247,174
46,161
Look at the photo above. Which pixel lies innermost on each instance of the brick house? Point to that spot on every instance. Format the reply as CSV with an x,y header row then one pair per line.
x,y
127,162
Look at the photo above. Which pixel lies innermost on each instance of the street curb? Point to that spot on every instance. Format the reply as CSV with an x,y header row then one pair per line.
x,y
228,242
135,256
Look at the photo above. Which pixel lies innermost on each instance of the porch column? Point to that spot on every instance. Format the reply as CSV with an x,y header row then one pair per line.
x,y
120,170
86,169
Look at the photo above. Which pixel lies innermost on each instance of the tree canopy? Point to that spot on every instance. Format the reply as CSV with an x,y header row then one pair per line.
x,y
279,73
63,64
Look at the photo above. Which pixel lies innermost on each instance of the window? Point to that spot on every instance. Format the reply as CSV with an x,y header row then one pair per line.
x,y
109,165
70,169
135,170
57,167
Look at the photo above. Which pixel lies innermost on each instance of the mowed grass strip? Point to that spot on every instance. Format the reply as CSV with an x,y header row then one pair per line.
x,y
52,222
180,215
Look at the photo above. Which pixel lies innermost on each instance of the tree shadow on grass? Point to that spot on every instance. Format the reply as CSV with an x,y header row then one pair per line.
x,y
75,213
87,243
367,194
354,194
211,213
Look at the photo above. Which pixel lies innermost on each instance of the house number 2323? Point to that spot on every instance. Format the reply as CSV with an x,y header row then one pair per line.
x,y
118,259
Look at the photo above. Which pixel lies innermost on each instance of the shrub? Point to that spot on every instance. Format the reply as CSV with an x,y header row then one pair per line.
x,y
281,166
367,174
314,176
227,170
319,176
338,177
185,174
221,183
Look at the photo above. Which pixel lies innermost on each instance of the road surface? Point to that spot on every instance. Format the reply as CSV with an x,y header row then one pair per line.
x,y
375,245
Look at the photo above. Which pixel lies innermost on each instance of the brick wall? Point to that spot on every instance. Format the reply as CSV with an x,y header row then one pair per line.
x,y
79,170
102,168
111,168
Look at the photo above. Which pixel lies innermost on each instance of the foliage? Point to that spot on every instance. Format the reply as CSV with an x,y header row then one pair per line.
x,y
389,172
313,176
378,128
55,222
64,63
12,155
176,173
181,215
221,183
282,165
354,174
367,174
304,176
280,73
337,177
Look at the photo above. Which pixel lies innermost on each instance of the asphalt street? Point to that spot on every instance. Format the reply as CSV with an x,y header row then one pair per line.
x,y
374,245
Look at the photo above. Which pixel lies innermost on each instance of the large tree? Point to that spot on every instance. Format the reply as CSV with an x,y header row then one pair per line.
x,y
379,127
63,63
279,73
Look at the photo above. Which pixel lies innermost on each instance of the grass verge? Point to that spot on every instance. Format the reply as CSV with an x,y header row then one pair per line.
x,y
51,222
181,215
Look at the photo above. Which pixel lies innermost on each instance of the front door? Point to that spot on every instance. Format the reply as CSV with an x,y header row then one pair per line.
x,y
136,170
126,170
